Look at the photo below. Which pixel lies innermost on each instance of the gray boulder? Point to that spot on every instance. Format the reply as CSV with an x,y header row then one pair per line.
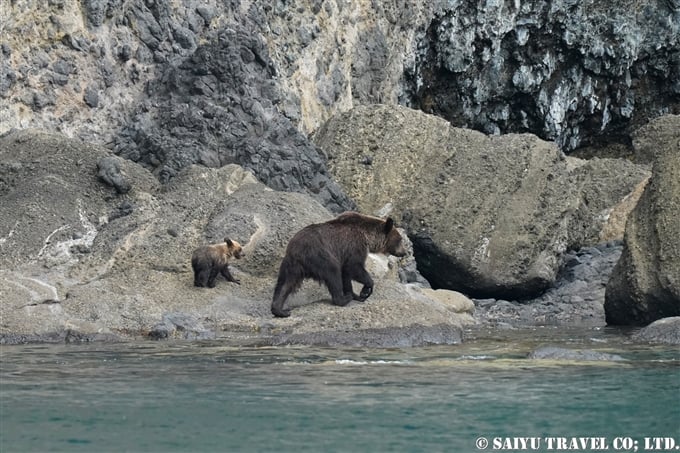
x,y
83,261
665,330
488,215
645,284
576,298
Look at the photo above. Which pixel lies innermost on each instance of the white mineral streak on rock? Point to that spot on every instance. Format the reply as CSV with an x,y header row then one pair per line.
x,y
60,252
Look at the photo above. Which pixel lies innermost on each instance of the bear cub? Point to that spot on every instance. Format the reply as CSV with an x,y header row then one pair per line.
x,y
208,261
334,253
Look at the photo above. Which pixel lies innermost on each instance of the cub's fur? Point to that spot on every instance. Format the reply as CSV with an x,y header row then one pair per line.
x,y
210,260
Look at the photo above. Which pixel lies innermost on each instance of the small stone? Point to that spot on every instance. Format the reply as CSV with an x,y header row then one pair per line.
x,y
91,97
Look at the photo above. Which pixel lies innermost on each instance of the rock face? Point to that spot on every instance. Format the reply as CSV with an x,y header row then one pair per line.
x,y
488,216
173,84
564,71
83,260
65,60
219,107
572,72
645,285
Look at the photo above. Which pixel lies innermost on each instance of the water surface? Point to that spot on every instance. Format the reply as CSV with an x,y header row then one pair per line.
x,y
212,396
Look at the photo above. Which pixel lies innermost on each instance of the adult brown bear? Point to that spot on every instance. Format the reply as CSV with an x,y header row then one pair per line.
x,y
208,261
334,253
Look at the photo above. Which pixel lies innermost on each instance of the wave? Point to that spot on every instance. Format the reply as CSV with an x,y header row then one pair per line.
x,y
371,362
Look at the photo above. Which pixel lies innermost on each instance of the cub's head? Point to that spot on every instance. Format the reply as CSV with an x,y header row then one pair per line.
x,y
234,248
393,242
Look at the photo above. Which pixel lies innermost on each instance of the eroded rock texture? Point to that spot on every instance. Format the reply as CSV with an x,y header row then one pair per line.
x,y
572,72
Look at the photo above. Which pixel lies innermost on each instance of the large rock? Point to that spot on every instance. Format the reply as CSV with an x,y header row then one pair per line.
x,y
664,330
35,172
614,227
645,284
489,216
93,249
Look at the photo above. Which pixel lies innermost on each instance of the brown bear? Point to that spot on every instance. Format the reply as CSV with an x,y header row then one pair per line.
x,y
208,261
334,253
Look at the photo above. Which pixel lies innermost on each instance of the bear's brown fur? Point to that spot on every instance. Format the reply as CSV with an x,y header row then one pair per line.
x,y
210,260
334,253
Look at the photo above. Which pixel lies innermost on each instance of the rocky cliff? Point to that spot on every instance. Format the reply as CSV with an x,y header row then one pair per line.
x,y
574,72
171,84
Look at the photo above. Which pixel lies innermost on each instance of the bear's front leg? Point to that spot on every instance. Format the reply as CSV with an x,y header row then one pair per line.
x,y
228,276
200,277
362,276
280,312
342,300
366,291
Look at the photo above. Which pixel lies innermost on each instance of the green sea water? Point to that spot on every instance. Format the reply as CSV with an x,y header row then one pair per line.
x,y
217,397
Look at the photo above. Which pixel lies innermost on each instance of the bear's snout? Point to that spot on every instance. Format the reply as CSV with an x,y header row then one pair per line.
x,y
400,252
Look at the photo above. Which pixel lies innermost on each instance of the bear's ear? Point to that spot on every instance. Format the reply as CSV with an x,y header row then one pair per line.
x,y
229,242
389,224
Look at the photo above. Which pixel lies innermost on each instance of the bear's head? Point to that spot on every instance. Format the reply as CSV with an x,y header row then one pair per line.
x,y
234,248
394,245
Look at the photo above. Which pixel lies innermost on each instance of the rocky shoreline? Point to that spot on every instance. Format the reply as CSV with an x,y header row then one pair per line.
x,y
133,132
576,299
101,254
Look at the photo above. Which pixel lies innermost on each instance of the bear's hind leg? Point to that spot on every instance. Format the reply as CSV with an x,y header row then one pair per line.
x,y
335,285
201,277
289,280
213,276
281,293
